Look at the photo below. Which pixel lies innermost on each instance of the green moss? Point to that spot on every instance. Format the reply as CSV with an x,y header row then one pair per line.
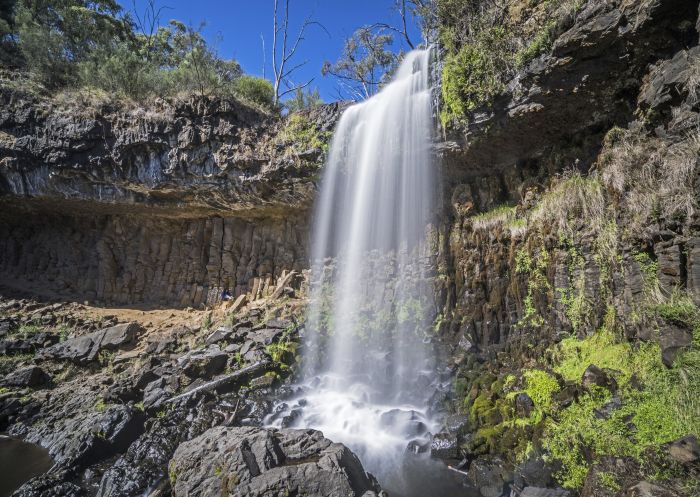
x,y
497,215
573,356
663,409
541,387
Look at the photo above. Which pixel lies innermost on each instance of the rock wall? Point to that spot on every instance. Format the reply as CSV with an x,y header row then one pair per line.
x,y
140,259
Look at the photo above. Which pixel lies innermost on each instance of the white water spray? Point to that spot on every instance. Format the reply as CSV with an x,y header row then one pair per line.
x,y
368,364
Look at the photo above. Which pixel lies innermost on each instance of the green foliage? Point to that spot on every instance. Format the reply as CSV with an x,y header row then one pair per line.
x,y
608,481
365,64
473,76
523,261
53,36
649,268
256,90
100,405
207,322
542,42
497,215
28,329
93,44
303,135
303,100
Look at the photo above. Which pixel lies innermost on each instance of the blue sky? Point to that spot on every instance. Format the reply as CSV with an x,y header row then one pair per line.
x,y
235,28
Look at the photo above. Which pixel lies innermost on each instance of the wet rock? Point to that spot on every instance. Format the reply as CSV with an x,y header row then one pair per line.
x,y
533,472
86,348
685,450
256,462
490,476
49,485
457,424
32,377
445,446
407,423
418,446
594,376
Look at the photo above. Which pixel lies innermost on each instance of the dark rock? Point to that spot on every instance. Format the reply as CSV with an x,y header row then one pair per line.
x,y
255,462
155,394
32,377
490,476
204,364
524,405
673,339
686,450
594,376
219,335
49,485
457,424
418,446
608,408
445,446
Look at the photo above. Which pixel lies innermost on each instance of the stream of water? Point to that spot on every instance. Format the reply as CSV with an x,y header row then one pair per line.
x,y
369,368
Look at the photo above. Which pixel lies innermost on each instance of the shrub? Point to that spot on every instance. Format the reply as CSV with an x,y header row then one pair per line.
x,y
256,90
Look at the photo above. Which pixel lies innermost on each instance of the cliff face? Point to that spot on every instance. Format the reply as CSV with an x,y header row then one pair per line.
x,y
168,205
620,77
571,246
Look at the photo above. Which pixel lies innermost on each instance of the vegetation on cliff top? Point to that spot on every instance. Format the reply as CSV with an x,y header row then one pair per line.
x,y
487,42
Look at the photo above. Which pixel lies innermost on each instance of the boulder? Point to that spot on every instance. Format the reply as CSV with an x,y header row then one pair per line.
x,y
685,450
490,476
85,349
255,462
32,377
407,423
204,364
594,376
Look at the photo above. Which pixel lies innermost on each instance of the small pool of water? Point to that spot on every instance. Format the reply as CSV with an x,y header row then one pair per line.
x,y
20,462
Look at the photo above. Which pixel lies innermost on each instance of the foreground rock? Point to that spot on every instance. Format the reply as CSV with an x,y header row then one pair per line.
x,y
257,462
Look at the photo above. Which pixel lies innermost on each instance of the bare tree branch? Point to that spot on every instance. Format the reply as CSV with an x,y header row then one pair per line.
x,y
283,73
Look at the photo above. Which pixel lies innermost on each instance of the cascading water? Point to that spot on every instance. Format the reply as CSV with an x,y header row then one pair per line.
x,y
368,365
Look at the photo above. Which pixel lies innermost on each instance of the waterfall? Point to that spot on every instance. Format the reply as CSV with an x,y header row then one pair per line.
x,y
367,360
